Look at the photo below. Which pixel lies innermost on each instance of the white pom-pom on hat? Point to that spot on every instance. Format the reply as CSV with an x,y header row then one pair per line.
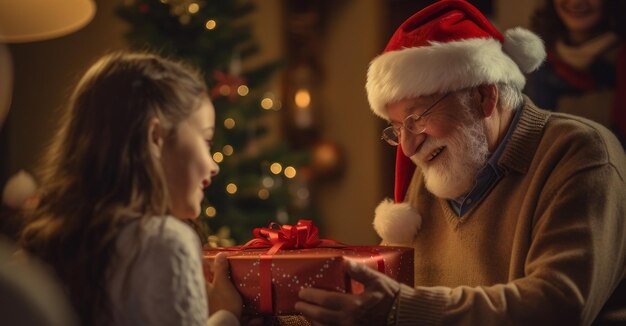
x,y
525,48
396,223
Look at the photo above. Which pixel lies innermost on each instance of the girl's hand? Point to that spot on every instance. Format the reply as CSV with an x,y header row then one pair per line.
x,y
221,292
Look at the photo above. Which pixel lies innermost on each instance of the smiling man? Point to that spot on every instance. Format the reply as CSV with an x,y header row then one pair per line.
x,y
517,215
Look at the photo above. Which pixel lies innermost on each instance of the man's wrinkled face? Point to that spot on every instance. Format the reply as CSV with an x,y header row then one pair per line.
x,y
452,148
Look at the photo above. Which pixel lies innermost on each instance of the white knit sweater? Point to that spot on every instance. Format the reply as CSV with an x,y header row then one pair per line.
x,y
156,277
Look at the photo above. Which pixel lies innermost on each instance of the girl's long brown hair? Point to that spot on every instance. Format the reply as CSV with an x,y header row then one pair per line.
x,y
99,173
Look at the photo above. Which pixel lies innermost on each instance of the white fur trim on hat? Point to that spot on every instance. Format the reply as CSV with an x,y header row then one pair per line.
x,y
438,68
396,222
525,48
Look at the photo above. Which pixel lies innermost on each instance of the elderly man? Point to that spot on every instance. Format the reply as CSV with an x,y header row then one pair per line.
x,y
521,212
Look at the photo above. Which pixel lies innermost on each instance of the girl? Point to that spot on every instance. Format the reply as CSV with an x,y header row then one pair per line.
x,y
124,173
585,72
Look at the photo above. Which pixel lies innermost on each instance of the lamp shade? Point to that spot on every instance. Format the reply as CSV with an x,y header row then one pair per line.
x,y
6,82
35,20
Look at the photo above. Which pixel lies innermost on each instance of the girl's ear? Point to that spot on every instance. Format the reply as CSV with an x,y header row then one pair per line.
x,y
155,137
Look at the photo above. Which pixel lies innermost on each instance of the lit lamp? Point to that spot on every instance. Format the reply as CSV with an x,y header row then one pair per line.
x,y
35,20
6,82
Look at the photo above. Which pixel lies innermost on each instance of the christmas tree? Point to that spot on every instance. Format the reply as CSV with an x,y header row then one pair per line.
x,y
259,181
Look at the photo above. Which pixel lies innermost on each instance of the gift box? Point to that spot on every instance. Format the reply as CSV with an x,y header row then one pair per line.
x,y
270,270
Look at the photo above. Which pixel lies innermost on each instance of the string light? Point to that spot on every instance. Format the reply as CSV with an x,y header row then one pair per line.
x,y
302,98
267,103
290,172
210,211
218,157
264,194
229,123
228,150
276,168
193,8
231,188
210,24
243,90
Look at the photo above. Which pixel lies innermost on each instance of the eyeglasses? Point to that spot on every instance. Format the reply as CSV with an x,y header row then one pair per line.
x,y
413,123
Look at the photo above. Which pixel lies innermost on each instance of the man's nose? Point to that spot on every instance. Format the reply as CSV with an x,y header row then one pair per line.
x,y
410,142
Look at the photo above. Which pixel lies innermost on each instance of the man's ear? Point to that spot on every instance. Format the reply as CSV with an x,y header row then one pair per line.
x,y
488,96
155,137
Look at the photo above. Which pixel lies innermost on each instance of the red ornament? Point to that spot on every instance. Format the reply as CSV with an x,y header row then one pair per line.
x,y
144,8
226,85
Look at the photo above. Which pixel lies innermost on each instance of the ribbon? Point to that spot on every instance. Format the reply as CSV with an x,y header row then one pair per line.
x,y
303,235
277,237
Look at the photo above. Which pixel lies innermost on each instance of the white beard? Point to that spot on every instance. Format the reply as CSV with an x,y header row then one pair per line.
x,y
454,173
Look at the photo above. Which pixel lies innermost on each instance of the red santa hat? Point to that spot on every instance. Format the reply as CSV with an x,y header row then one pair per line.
x,y
445,47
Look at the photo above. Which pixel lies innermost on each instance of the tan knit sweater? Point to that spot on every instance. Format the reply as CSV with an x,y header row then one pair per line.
x,y
546,246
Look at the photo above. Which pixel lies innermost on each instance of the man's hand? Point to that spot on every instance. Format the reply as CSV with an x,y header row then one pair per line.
x,y
221,291
368,308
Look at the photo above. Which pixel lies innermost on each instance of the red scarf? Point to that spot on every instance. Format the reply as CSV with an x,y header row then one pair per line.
x,y
619,101
584,81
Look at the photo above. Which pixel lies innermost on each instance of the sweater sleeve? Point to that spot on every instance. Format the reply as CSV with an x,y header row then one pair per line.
x,y
166,285
575,261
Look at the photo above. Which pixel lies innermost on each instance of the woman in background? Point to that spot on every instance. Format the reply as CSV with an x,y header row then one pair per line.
x,y
122,176
585,72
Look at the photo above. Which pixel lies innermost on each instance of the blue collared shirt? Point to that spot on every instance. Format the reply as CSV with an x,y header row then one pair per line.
x,y
487,177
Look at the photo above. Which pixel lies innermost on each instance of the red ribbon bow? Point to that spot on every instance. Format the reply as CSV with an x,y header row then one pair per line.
x,y
300,236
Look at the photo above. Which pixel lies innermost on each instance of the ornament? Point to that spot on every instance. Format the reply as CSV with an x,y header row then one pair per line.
x,y
144,8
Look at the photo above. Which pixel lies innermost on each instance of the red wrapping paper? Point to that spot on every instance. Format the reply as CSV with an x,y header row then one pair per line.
x,y
287,271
